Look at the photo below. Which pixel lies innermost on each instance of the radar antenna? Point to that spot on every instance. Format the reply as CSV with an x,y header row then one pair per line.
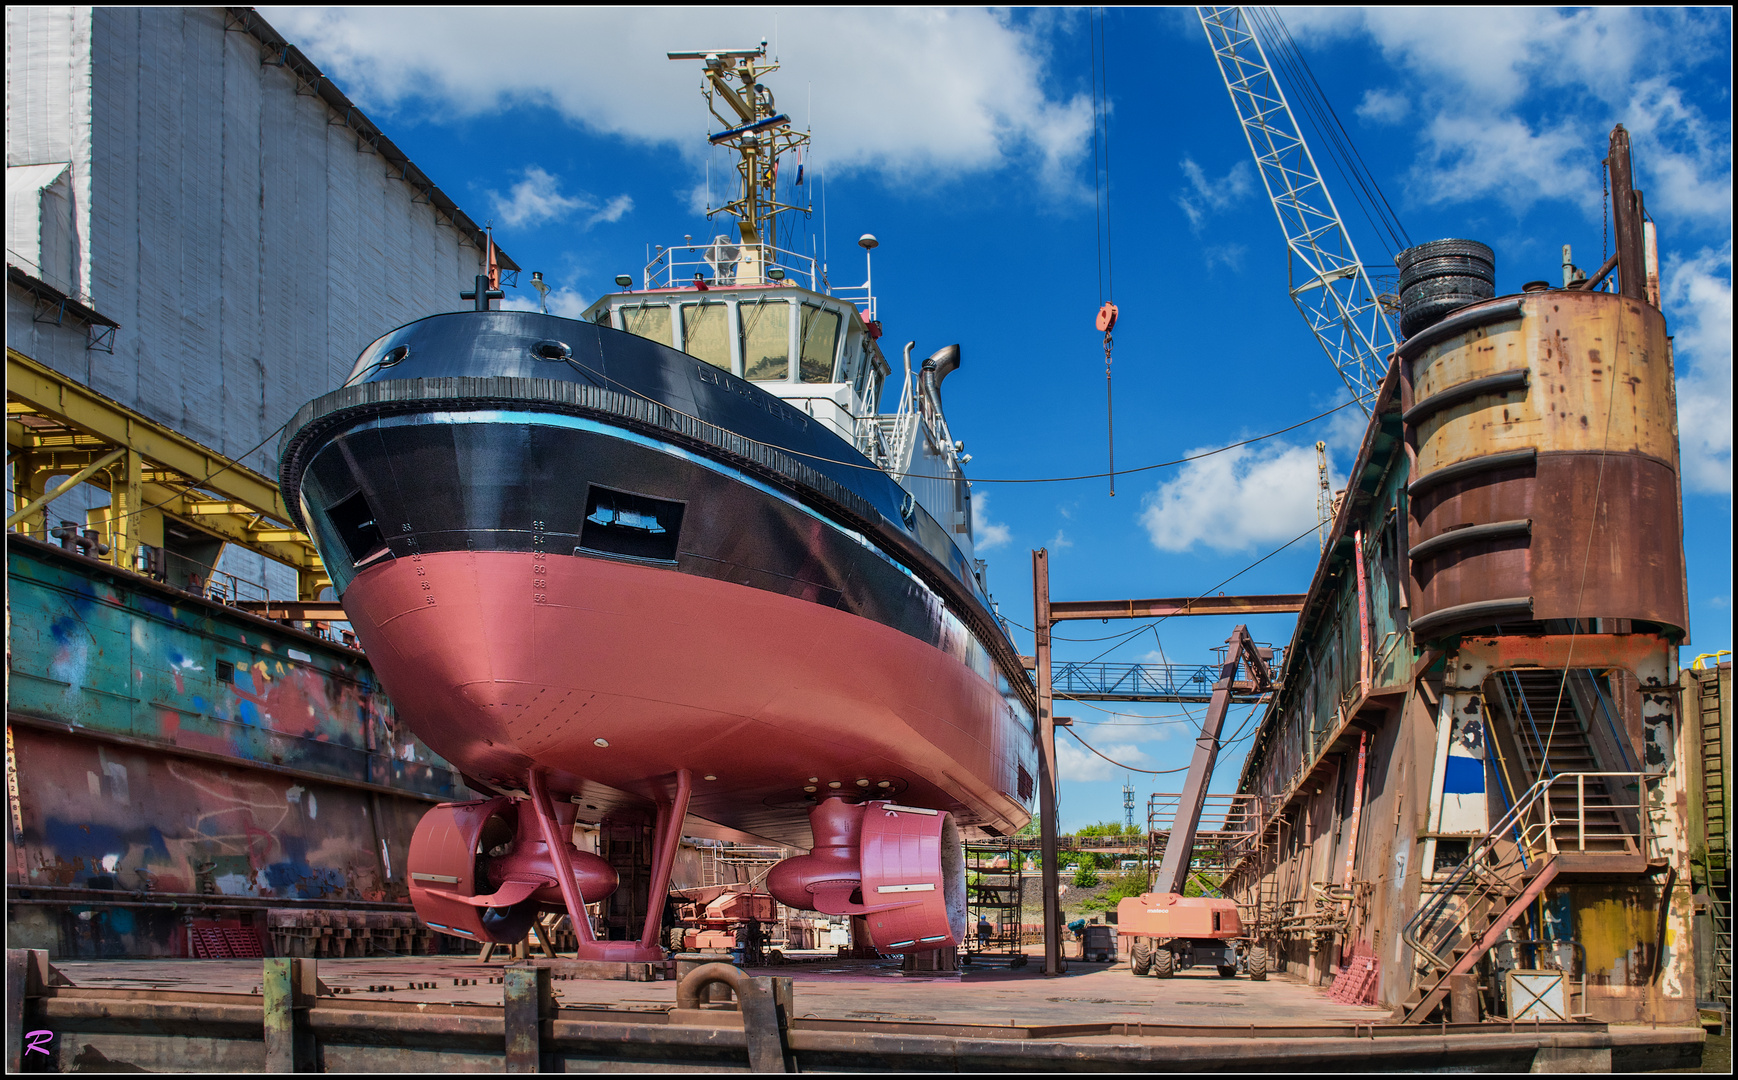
x,y
760,135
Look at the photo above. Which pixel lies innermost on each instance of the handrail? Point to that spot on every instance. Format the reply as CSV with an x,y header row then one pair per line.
x,y
1533,725
1611,720
1477,858
721,261
904,421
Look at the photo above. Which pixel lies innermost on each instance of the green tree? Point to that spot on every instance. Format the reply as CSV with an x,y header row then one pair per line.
x,y
1197,879
1086,877
1130,883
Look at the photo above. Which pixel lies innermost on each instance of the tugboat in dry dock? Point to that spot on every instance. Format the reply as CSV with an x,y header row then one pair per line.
x,y
667,562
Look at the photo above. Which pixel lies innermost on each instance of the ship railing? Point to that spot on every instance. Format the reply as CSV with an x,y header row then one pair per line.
x,y
1535,828
859,295
900,429
722,263
875,439
1135,680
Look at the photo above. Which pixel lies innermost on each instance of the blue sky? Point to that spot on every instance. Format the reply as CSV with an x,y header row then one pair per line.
x,y
963,140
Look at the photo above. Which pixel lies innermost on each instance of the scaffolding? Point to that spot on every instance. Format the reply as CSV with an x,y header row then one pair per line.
x,y
161,484
995,894
1229,829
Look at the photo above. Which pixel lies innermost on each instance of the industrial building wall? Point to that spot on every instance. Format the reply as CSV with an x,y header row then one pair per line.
x,y
245,243
244,238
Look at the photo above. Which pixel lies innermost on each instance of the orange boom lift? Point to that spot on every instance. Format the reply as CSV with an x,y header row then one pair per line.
x,y
1169,930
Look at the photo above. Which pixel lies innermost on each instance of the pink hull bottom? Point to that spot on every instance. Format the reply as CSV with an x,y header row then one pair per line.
x,y
612,675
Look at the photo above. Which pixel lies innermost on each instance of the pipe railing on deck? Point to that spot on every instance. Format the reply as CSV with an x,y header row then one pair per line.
x,y
1532,837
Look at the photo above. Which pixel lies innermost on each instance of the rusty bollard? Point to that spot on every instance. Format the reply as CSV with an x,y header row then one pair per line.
x,y
766,1006
527,1000
289,986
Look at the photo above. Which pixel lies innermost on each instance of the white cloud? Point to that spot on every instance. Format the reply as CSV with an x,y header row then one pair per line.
x,y
1345,433
1060,541
1684,164
1383,107
1470,156
1075,762
1515,103
1235,500
612,211
1206,195
1494,55
534,200
1229,256
953,90
987,533
565,302
537,199
1698,296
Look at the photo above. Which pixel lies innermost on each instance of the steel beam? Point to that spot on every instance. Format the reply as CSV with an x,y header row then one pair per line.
x,y
77,478
83,409
296,611
164,471
1043,619
1281,603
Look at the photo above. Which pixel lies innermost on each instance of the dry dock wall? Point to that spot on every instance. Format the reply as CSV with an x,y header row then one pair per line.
x,y
202,227
1351,849
168,752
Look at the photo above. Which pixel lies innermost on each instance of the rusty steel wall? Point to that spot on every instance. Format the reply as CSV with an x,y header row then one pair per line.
x,y
1583,381
1323,830
139,770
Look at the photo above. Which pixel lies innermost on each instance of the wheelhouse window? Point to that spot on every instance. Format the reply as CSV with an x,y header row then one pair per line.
x,y
855,363
820,343
650,321
766,340
706,333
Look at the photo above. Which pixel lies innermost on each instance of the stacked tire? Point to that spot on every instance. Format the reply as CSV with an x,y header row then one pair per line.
x,y
1442,277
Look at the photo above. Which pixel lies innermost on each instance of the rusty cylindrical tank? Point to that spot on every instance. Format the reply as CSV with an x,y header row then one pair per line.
x,y
1546,481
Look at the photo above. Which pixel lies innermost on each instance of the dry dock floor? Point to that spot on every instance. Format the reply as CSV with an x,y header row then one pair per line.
x,y
831,990
385,1014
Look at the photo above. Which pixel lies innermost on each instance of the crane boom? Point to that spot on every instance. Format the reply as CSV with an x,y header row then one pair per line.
x,y
1241,648
1333,292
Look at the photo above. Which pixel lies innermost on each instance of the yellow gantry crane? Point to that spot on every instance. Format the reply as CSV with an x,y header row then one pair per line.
x,y
57,427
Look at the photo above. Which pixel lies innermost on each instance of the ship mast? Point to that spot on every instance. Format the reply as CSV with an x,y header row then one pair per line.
x,y
760,135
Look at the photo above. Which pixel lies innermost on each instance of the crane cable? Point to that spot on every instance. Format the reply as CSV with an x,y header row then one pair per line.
x,y
1101,219
1361,182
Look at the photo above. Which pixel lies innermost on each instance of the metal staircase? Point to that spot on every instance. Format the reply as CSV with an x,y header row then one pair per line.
x,y
1553,827
1549,712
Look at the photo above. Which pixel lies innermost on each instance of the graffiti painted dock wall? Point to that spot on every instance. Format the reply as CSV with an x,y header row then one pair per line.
x,y
176,764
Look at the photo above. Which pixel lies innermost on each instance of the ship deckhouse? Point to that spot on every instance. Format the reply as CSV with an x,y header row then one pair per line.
x,y
770,316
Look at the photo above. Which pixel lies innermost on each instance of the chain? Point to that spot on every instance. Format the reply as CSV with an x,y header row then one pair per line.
x,y
1109,415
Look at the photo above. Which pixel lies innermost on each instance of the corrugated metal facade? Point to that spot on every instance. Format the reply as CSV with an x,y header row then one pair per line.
x,y
185,174
244,236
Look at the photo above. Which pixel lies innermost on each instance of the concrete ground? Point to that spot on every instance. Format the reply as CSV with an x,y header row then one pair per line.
x,y
828,989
